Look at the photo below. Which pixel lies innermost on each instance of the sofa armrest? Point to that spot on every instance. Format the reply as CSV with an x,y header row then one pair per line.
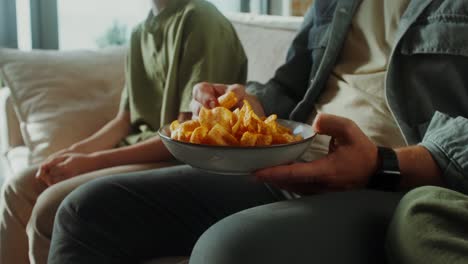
x,y
10,133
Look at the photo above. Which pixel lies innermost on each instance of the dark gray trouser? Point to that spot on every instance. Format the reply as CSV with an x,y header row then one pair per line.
x,y
135,217
330,229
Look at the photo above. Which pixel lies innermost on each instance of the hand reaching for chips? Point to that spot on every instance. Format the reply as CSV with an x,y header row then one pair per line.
x,y
219,126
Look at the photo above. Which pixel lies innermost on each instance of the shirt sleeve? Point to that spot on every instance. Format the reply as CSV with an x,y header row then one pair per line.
x,y
284,91
135,76
124,98
447,140
211,52
124,101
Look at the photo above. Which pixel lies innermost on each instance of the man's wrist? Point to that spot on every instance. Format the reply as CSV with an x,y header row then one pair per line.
x,y
418,167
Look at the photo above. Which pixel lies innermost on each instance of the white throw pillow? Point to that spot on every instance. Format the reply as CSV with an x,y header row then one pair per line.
x,y
63,97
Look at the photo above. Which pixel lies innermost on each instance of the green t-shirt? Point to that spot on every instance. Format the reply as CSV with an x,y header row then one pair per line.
x,y
189,42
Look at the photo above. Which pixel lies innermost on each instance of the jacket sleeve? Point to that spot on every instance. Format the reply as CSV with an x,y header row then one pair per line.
x,y
447,140
282,93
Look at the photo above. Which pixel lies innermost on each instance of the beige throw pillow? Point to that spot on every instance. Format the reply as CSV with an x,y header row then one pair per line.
x,y
63,97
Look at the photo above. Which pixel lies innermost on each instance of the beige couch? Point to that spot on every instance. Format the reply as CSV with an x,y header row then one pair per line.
x,y
57,98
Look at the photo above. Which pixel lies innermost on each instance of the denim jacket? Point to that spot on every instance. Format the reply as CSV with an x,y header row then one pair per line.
x,y
426,85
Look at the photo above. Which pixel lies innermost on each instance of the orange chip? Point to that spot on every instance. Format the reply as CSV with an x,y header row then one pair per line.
x,y
282,138
233,119
198,136
218,115
271,128
240,119
247,106
177,135
271,119
252,121
247,121
189,126
228,100
183,131
220,126
218,135
174,125
264,140
248,139
205,118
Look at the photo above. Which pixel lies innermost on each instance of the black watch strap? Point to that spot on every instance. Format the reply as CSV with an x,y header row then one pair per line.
x,y
388,176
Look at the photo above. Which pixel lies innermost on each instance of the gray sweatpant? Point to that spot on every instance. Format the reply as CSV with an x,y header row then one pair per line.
x,y
332,228
429,225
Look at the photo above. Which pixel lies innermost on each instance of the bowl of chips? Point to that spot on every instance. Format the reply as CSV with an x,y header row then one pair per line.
x,y
236,142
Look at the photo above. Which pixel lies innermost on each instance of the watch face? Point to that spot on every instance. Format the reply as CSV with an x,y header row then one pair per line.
x,y
388,177
388,160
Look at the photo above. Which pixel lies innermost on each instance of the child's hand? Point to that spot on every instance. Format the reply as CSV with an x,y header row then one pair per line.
x,y
66,166
207,94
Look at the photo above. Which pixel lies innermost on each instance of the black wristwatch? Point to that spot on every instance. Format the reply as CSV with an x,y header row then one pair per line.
x,y
388,176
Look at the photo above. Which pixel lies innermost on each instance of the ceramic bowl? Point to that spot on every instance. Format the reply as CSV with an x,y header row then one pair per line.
x,y
239,160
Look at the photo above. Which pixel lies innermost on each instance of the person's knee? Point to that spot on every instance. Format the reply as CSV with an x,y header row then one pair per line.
x,y
292,231
43,214
88,200
413,219
226,242
21,190
246,237
416,205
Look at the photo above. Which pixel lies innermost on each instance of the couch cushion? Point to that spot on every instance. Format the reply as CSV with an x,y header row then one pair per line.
x,y
266,40
10,134
52,56
62,97
17,159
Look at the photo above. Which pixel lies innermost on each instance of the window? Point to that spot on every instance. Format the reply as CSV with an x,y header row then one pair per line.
x,y
8,24
227,6
107,23
249,6
91,24
270,7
